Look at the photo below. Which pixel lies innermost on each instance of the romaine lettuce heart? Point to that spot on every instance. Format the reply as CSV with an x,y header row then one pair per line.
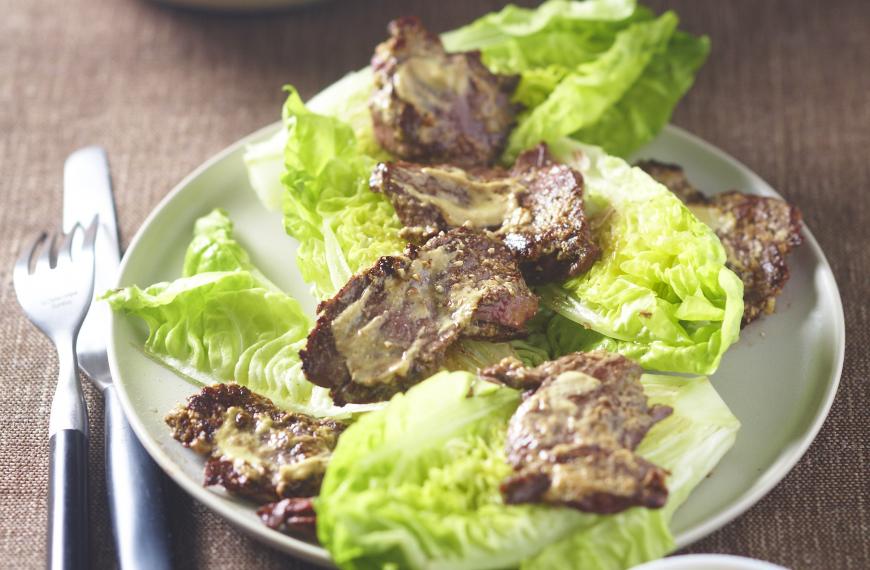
x,y
416,484
660,294
604,72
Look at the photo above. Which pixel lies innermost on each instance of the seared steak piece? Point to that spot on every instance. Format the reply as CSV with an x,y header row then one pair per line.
x,y
195,424
572,441
436,198
294,516
536,208
431,106
608,367
255,450
757,233
390,326
549,233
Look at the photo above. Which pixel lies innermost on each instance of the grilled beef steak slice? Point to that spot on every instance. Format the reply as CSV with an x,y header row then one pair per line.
x,y
536,208
294,516
757,232
608,367
255,450
432,106
549,233
194,425
431,199
390,326
572,441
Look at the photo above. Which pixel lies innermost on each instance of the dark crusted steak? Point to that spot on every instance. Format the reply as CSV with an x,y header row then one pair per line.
x,y
390,326
608,367
757,233
195,424
536,208
255,450
431,199
549,233
572,441
294,516
431,106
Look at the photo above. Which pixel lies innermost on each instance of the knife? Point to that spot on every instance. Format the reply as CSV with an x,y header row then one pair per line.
x,y
133,480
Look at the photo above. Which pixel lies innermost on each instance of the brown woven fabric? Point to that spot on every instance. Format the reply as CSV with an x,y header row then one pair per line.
x,y
786,90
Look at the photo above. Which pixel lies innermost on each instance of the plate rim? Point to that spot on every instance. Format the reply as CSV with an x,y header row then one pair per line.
x,y
771,476
787,460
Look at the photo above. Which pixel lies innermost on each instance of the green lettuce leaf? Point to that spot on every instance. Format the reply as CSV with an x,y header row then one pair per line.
x,y
581,97
660,294
347,101
341,225
225,321
415,485
214,248
212,327
647,106
603,71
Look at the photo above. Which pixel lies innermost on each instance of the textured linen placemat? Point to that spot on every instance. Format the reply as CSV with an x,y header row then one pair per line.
x,y
786,90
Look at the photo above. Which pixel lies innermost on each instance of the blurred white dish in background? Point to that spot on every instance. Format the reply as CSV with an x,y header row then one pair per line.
x,y
236,5
708,562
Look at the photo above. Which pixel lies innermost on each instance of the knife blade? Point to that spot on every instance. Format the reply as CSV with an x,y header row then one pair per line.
x,y
133,480
87,190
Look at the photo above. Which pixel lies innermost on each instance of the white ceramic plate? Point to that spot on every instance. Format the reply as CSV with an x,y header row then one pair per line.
x,y
708,562
779,380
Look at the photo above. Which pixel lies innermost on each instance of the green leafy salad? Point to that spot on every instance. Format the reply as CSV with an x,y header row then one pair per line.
x,y
414,481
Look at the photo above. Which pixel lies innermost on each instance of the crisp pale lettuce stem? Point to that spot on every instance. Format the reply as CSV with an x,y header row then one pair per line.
x,y
339,271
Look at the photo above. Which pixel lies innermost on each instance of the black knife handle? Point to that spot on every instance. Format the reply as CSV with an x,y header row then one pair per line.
x,y
68,501
135,486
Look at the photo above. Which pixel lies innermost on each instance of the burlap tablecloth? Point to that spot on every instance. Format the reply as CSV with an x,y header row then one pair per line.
x,y
786,90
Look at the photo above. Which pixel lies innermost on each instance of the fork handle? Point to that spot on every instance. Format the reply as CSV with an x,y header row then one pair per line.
x,y
135,486
68,500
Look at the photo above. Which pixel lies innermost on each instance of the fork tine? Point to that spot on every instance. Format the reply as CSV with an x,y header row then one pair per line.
x,y
47,259
91,233
22,266
64,252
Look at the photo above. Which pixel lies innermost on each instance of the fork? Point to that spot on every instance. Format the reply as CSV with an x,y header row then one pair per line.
x,y
56,296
